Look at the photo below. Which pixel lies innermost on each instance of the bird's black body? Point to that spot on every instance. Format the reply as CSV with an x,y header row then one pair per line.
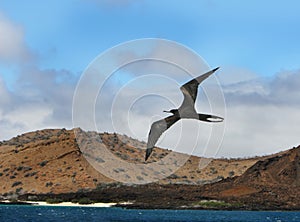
x,y
186,110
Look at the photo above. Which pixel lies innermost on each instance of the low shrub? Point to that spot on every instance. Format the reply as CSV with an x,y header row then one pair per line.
x,y
85,200
17,183
54,200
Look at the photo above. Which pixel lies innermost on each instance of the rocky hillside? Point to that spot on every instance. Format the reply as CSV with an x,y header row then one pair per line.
x,y
270,183
50,161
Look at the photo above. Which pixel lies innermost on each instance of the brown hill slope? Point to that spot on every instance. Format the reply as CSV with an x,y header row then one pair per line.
x,y
45,161
50,161
270,183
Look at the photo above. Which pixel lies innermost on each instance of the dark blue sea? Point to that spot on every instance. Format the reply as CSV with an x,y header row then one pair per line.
x,y
47,214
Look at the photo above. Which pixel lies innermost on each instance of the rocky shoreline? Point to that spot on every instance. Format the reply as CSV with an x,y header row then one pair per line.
x,y
156,196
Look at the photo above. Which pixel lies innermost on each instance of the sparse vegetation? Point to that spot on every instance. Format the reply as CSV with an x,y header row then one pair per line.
x,y
213,170
85,200
174,176
54,200
49,184
17,183
231,173
101,186
19,168
27,168
117,170
18,190
127,176
220,178
139,178
43,163
212,204
31,174
6,169
122,156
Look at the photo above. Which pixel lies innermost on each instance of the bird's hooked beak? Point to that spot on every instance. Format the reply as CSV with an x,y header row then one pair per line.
x,y
167,111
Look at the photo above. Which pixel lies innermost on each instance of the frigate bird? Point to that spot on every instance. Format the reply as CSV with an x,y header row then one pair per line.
x,y
186,110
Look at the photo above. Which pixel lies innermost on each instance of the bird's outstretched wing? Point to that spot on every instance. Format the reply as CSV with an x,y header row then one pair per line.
x,y
190,89
157,129
210,118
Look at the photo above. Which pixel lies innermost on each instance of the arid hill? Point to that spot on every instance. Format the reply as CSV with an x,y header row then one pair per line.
x,y
50,161
270,183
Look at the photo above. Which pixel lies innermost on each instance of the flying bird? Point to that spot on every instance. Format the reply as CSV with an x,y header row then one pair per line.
x,y
185,111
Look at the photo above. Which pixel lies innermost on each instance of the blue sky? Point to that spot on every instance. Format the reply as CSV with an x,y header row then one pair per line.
x,y
261,36
47,46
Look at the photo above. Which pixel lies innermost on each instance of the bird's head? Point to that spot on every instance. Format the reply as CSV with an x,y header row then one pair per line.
x,y
174,111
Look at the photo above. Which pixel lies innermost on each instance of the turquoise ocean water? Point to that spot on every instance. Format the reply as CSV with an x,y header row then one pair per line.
x,y
45,213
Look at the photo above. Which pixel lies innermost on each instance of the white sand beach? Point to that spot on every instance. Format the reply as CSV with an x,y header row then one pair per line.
x,y
70,204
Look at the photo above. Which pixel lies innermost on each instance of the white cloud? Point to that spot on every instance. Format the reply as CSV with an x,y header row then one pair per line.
x,y
12,45
39,98
262,115
5,96
39,101
31,116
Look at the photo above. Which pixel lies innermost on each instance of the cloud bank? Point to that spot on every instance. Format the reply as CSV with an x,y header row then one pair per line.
x,y
262,115
39,98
